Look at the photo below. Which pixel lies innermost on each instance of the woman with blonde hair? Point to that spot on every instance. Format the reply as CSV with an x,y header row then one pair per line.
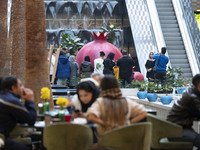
x,y
112,110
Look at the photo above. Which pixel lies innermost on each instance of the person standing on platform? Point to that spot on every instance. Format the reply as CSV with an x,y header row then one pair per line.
x,y
149,66
65,51
13,111
125,64
63,70
98,63
74,72
53,59
86,68
109,64
186,110
161,65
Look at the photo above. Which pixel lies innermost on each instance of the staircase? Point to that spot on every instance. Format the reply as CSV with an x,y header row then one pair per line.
x,y
172,36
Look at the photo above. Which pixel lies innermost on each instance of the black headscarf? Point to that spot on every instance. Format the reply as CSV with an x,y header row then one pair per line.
x,y
95,92
87,58
111,56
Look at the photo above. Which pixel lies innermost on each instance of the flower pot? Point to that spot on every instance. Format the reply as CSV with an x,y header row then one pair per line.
x,y
64,115
45,107
61,115
142,94
180,90
152,97
166,99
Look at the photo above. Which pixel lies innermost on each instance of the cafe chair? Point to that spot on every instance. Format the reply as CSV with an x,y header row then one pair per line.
x,y
2,140
132,137
65,136
162,130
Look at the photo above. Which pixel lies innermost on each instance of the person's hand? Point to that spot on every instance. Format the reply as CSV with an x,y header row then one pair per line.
x,y
28,94
149,70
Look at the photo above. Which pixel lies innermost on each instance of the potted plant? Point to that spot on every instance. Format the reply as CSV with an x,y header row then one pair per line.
x,y
152,89
142,87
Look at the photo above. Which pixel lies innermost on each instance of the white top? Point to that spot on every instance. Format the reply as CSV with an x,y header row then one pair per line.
x,y
98,65
76,103
53,59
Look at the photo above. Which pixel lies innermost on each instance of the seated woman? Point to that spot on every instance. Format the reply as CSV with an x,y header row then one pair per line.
x,y
112,110
87,93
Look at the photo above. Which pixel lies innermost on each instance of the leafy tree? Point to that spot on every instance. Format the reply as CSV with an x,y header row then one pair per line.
x,y
72,42
111,29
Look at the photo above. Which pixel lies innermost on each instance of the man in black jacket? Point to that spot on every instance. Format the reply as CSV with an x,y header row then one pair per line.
x,y
13,111
125,64
186,110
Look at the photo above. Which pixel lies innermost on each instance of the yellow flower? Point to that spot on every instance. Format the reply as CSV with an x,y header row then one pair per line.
x,y
45,93
62,102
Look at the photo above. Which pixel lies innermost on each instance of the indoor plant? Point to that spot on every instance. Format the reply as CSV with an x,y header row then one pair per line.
x,y
152,89
142,87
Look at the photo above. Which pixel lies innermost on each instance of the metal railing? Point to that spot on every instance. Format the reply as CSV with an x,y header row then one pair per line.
x,y
192,27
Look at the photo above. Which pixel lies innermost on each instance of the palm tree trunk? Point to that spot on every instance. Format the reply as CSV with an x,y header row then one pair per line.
x,y
19,42
3,35
37,74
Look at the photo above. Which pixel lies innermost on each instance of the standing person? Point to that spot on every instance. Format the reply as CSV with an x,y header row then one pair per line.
x,y
86,68
111,110
63,69
74,72
109,64
65,51
98,63
53,59
161,64
186,110
149,66
12,111
125,64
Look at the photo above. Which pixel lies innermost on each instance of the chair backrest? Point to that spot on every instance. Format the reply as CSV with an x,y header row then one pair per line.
x,y
132,137
1,140
161,129
64,136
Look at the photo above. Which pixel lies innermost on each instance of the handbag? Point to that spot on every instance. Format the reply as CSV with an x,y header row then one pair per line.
x,y
155,67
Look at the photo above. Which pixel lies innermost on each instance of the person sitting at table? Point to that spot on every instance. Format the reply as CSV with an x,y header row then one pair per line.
x,y
185,111
13,111
87,93
111,110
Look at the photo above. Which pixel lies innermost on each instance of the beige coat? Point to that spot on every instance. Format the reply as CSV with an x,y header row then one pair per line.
x,y
99,111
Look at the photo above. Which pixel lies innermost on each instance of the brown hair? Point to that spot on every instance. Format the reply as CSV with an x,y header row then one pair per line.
x,y
115,107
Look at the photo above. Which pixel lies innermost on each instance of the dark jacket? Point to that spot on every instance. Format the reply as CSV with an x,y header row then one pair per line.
x,y
12,111
63,68
109,64
125,64
86,69
187,109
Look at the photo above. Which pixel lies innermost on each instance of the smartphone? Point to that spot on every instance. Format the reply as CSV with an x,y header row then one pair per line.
x,y
77,111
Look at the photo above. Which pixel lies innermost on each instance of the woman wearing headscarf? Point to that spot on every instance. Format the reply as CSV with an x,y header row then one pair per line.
x,y
74,72
109,64
87,93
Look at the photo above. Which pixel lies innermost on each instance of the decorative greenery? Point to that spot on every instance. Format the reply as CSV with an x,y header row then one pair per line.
x,y
62,102
111,29
45,93
73,43
141,85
